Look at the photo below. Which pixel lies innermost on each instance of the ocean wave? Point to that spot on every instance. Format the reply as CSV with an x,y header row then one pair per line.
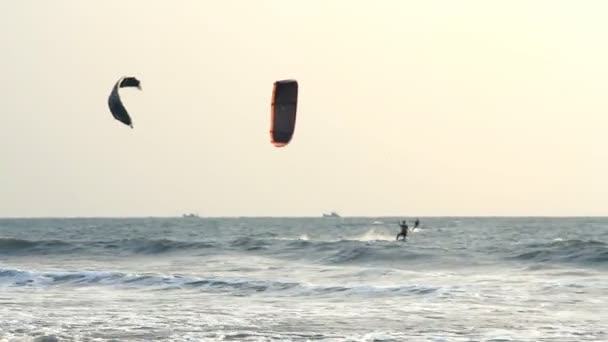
x,y
36,278
268,243
250,244
13,246
156,246
569,251
367,247
375,235
371,247
371,253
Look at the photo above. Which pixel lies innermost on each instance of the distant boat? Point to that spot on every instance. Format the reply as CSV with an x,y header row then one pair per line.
x,y
332,214
191,215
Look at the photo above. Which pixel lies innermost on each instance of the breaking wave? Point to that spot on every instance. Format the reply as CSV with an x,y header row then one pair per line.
x,y
35,278
370,247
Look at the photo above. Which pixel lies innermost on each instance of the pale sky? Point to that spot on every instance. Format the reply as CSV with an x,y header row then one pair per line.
x,y
405,107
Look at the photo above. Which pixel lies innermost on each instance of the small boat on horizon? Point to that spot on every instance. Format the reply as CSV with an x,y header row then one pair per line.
x,y
332,214
191,215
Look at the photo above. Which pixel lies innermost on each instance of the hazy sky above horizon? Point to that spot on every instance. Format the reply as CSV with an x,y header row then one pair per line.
x,y
405,107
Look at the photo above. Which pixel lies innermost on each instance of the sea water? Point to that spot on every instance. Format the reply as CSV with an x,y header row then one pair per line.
x,y
303,279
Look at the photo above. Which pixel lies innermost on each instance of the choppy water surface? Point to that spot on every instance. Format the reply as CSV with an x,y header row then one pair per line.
x,y
284,279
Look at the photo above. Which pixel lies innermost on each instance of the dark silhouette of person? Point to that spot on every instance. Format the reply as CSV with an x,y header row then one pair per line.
x,y
403,232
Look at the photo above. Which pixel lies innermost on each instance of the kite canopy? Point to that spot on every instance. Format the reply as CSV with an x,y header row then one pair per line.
x,y
283,112
116,107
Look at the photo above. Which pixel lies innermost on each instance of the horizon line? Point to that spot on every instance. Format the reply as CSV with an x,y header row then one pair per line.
x,y
295,216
